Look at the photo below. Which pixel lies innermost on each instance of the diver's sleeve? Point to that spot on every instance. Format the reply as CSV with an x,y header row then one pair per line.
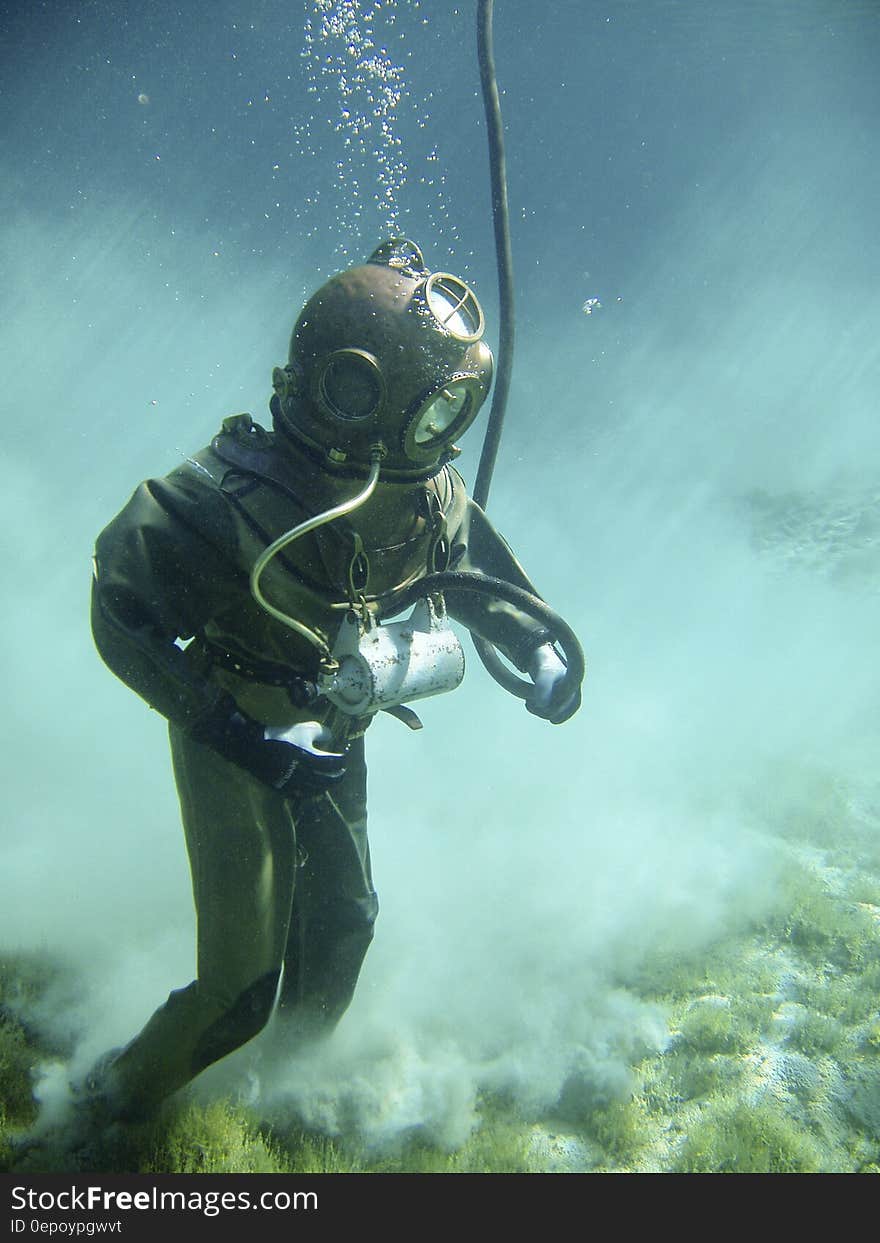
x,y
163,568
477,547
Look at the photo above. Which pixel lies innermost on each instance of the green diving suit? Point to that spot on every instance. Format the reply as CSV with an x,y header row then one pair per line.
x,y
387,359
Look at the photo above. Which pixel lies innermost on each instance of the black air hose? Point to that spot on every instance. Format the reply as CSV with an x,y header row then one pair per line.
x,y
501,589
503,252
507,328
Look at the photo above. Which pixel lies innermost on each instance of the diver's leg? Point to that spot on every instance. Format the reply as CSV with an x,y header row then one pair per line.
x,y
335,905
241,845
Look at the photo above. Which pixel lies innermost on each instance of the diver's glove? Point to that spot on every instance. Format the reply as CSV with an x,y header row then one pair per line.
x,y
547,670
287,758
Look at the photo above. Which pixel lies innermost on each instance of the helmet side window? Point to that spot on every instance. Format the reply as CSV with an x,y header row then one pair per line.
x,y
350,385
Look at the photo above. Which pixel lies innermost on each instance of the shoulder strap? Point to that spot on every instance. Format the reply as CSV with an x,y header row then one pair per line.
x,y
244,445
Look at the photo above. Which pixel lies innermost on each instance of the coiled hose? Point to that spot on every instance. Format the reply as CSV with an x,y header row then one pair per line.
x,y
501,589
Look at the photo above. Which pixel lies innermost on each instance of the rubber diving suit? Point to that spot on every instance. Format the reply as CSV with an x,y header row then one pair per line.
x,y
276,826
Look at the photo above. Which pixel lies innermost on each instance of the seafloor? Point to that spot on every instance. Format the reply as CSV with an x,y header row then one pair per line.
x,y
771,1061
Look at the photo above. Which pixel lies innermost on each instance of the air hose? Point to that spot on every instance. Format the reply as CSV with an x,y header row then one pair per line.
x,y
501,589
503,252
504,257
278,545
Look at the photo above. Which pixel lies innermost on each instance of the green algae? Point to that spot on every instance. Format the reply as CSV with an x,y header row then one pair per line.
x,y
772,1062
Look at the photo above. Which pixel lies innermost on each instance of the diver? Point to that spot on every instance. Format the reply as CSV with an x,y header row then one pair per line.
x,y
233,596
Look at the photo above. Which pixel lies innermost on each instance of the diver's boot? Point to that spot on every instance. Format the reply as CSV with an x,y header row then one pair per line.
x,y
95,1127
83,1138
